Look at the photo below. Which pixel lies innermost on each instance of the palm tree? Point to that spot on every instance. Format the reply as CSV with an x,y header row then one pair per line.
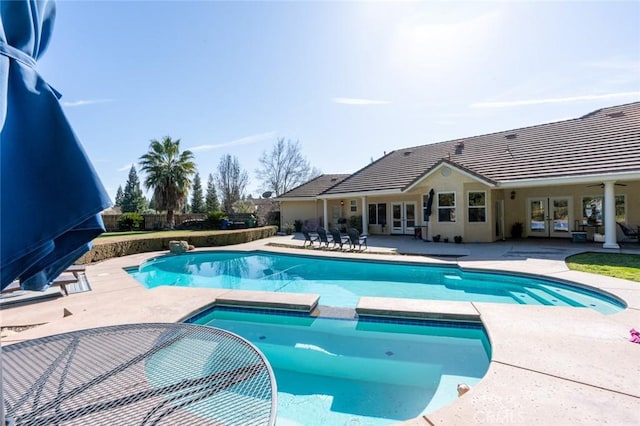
x,y
168,173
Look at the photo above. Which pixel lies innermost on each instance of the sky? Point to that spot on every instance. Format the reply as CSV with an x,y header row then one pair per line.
x,y
348,80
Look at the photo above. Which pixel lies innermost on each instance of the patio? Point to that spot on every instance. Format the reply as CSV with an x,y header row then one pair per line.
x,y
548,363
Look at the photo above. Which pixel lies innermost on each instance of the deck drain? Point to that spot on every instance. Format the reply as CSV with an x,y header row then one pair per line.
x,y
389,353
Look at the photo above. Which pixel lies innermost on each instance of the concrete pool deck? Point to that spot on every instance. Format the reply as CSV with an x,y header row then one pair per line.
x,y
550,365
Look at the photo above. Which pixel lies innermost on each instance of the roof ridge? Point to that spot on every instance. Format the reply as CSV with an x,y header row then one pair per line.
x,y
465,138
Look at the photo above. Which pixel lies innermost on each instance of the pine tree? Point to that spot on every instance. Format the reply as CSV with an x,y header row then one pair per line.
x,y
197,198
132,198
119,196
211,201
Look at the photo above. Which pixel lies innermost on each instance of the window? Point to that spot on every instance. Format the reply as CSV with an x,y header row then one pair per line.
x,y
477,206
446,207
593,210
354,205
378,214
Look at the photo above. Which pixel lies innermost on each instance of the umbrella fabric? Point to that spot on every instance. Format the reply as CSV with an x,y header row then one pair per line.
x,y
50,195
427,212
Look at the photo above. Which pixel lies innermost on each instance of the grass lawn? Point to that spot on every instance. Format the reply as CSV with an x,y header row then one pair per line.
x,y
626,266
132,235
123,234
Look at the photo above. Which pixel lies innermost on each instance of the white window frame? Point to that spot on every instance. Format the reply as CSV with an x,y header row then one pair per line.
x,y
374,220
600,206
452,207
479,207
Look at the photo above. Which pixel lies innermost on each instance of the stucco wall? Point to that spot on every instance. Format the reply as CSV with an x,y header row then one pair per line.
x,y
453,181
515,210
290,211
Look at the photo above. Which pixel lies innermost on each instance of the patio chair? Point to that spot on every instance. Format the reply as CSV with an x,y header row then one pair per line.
x,y
357,239
324,237
310,237
339,239
629,233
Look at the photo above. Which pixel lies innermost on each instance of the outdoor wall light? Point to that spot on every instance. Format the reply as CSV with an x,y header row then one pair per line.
x,y
341,202
513,195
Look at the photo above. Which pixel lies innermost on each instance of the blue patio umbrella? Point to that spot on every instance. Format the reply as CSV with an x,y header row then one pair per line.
x,y
50,195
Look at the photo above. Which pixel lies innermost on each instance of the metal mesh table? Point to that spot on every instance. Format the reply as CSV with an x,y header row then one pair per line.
x,y
143,374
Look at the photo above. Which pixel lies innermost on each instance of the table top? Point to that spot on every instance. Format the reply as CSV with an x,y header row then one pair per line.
x,y
138,374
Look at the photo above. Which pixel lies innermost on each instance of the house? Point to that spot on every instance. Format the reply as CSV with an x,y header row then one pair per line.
x,y
581,174
303,202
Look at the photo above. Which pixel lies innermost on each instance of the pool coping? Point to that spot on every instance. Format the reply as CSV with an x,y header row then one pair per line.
x,y
548,364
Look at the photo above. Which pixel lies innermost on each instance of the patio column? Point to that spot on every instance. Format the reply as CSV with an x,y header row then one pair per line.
x,y
610,216
365,228
325,219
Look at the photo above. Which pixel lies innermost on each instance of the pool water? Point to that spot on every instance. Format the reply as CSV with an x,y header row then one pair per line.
x,y
366,372
342,282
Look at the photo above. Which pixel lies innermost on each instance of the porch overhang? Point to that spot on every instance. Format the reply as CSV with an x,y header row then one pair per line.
x,y
570,180
360,194
315,198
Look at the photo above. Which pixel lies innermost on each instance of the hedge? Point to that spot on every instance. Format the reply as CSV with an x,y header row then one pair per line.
x,y
109,249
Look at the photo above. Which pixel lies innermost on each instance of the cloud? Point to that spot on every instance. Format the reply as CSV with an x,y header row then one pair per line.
x,y
242,141
357,101
83,103
508,104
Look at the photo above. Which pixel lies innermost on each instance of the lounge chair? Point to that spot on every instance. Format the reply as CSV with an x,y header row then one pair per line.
x,y
310,237
356,238
339,239
324,237
629,232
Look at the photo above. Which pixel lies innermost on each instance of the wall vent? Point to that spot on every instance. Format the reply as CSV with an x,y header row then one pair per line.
x,y
511,136
616,114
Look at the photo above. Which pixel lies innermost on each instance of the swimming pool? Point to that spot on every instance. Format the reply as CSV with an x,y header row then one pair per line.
x,y
342,282
367,372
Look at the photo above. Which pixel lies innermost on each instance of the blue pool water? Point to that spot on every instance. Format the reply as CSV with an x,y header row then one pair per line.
x,y
366,372
342,282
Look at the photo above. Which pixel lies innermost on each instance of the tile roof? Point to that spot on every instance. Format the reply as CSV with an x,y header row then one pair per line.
x,y
315,186
604,141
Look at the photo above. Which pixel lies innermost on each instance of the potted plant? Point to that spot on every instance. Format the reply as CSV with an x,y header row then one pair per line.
x,y
436,238
457,239
297,224
288,228
516,230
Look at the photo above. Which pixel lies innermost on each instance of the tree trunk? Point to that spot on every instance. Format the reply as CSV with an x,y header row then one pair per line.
x,y
170,219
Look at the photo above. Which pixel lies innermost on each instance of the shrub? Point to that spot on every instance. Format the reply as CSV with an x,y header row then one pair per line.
x,y
297,224
192,224
214,219
273,218
107,249
288,228
130,222
356,222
